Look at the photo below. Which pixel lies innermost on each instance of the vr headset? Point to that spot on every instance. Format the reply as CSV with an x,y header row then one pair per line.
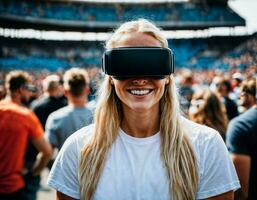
x,y
129,62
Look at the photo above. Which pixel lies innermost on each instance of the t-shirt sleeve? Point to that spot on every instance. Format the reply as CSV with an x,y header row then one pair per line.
x,y
63,176
35,127
217,172
237,140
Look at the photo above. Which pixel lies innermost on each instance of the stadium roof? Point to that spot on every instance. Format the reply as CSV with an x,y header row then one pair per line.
x,y
100,36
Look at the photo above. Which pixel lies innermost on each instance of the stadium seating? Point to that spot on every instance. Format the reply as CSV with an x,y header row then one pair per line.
x,y
204,53
243,56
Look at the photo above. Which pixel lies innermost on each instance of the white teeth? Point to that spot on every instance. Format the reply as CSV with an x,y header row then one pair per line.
x,y
140,92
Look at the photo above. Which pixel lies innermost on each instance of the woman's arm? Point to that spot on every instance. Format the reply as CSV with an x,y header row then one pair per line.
x,y
61,196
225,196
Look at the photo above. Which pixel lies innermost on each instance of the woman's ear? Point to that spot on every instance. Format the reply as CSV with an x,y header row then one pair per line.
x,y
111,80
167,80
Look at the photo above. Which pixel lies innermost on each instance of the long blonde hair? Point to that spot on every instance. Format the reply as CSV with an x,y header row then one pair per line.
x,y
176,151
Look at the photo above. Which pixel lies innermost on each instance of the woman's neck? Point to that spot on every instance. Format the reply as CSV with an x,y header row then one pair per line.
x,y
141,125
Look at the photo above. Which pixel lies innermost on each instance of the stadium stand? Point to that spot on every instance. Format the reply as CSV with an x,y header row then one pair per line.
x,y
202,53
86,16
53,55
245,55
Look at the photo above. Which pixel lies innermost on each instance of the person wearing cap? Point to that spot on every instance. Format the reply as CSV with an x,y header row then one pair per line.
x,y
242,142
236,81
140,146
18,125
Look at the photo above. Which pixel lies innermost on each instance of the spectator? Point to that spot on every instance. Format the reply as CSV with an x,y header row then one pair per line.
x,y
42,107
242,143
247,94
51,100
223,88
18,125
186,89
206,108
140,146
236,82
65,121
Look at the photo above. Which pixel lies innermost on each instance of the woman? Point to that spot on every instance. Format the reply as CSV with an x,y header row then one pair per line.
x,y
207,109
140,147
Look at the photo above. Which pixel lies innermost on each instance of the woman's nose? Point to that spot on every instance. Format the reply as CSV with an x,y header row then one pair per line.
x,y
140,81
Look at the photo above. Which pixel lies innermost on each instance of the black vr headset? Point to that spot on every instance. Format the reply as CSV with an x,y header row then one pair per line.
x,y
129,62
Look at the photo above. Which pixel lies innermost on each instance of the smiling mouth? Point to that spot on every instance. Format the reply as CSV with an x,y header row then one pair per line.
x,y
140,92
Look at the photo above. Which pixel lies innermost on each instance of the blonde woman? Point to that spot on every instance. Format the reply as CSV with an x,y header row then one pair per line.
x,y
140,147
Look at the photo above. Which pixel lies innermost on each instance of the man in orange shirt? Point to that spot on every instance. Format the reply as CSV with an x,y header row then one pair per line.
x,y
18,125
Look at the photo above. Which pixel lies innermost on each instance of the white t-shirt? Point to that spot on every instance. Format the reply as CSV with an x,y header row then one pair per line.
x,y
134,169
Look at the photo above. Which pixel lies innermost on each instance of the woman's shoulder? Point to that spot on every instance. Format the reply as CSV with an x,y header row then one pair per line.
x,y
198,133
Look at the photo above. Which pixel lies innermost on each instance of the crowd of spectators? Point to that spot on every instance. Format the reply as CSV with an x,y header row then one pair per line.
x,y
232,57
209,97
34,54
104,12
88,54
243,56
187,80
201,53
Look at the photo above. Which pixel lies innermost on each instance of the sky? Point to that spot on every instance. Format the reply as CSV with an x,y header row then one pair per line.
x,y
248,10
